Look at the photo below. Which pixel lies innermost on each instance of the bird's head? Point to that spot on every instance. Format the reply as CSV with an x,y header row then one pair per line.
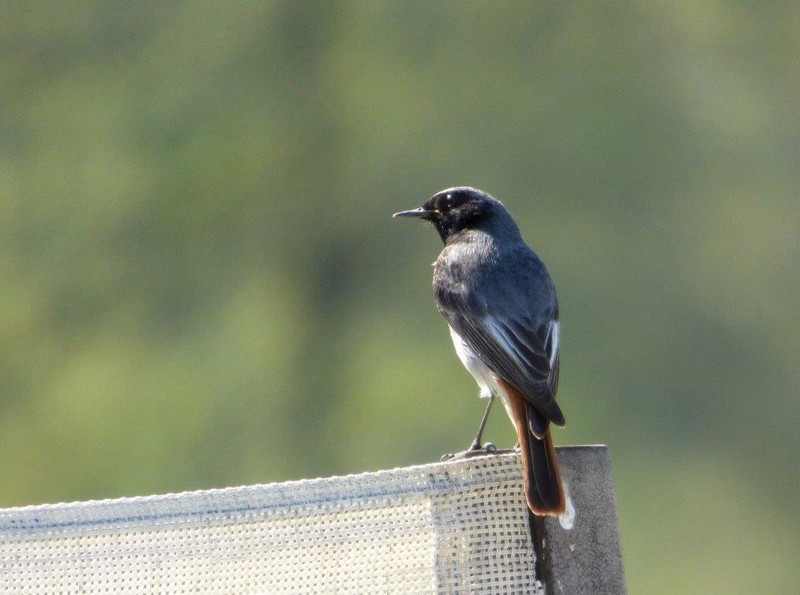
x,y
457,209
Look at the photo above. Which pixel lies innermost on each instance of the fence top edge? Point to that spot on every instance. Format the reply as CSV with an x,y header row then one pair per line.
x,y
458,466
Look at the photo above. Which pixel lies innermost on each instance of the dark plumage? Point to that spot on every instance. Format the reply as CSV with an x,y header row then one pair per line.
x,y
501,306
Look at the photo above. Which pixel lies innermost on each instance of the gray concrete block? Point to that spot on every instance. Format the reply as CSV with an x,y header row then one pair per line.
x,y
580,551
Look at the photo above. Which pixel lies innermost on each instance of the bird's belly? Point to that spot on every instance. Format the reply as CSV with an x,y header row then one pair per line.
x,y
480,371
486,379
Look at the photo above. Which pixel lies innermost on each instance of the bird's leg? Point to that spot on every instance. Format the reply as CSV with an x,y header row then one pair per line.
x,y
477,449
476,444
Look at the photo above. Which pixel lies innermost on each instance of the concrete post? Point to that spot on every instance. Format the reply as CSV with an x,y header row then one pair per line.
x,y
580,551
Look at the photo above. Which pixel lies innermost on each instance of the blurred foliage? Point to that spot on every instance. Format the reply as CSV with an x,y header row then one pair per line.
x,y
202,284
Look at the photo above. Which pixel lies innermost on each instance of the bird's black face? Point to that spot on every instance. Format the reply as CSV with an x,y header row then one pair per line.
x,y
454,210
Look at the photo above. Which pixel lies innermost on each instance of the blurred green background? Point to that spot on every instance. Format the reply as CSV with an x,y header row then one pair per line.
x,y
202,284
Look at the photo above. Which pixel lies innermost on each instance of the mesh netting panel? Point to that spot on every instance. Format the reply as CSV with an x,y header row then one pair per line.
x,y
455,527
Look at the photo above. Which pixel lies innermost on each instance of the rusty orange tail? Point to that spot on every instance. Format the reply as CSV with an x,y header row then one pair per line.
x,y
544,491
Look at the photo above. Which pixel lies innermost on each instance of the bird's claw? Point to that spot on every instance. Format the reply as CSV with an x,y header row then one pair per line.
x,y
475,450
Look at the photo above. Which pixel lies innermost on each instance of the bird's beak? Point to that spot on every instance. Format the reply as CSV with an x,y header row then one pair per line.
x,y
420,213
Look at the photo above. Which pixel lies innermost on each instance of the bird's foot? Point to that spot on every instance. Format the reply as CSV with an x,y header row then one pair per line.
x,y
475,450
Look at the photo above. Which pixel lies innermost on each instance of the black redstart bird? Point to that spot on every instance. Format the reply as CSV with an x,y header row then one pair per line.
x,y
500,304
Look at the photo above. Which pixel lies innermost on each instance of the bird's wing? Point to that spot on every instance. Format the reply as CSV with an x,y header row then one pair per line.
x,y
523,352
